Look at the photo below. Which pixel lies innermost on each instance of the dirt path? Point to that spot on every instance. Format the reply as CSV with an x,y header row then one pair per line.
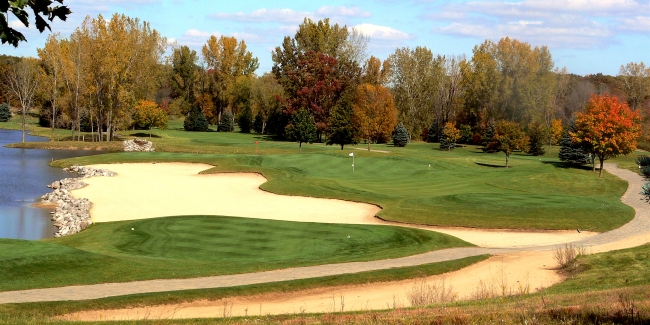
x,y
512,268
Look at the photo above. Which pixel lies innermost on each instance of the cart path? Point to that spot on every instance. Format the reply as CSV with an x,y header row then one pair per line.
x,y
632,197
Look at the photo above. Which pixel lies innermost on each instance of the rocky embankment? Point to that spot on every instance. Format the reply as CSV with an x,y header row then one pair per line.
x,y
71,215
138,145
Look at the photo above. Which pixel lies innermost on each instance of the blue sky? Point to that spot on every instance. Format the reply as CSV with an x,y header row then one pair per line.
x,y
586,36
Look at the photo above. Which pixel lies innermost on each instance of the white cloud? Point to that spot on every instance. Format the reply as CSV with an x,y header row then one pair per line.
x,y
197,33
263,15
381,32
344,11
635,24
18,25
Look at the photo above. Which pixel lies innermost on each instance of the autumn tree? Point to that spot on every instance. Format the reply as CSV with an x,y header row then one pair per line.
x,y
449,136
185,74
607,128
302,128
148,115
52,62
375,114
375,72
508,137
42,10
636,83
227,59
21,79
265,98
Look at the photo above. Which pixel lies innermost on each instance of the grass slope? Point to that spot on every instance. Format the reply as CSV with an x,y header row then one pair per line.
x,y
182,247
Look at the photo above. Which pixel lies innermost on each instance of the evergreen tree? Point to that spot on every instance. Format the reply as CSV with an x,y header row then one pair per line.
x,y
341,127
5,114
538,138
226,123
571,152
258,123
432,134
449,136
400,136
245,120
302,128
489,145
195,120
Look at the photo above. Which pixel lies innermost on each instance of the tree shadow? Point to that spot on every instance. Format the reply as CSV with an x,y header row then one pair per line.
x,y
143,135
564,165
491,165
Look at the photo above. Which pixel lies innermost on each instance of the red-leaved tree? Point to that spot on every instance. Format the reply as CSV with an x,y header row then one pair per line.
x,y
607,128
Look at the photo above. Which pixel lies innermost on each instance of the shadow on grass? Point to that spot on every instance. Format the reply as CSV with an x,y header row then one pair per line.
x,y
144,135
491,165
563,165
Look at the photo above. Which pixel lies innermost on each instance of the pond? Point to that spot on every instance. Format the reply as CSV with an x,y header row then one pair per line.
x,y
24,175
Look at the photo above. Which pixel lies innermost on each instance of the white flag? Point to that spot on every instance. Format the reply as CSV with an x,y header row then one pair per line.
x,y
351,154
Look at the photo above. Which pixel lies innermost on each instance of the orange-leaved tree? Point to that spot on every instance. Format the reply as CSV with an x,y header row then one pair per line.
x,y
607,128
148,115
375,114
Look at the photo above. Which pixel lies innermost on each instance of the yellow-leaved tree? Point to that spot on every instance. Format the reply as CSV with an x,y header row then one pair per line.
x,y
148,115
375,115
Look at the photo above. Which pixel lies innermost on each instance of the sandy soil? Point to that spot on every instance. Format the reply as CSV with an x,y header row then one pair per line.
x,y
147,191
514,273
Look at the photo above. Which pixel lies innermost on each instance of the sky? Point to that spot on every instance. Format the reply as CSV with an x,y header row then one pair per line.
x,y
585,36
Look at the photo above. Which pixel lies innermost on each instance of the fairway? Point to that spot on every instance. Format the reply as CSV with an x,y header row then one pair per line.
x,y
192,246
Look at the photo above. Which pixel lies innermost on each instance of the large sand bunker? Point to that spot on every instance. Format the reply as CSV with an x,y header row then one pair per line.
x,y
141,191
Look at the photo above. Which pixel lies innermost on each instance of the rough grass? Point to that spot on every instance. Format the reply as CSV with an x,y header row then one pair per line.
x,y
183,247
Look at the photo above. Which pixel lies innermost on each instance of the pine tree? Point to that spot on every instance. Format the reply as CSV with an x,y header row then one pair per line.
x,y
302,128
226,123
571,152
341,127
258,123
245,120
432,134
5,114
195,120
488,144
400,136
449,136
538,139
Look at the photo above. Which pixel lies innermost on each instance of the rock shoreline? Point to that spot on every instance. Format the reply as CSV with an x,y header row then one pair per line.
x,y
72,215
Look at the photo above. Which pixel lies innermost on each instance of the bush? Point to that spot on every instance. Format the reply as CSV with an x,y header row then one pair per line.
x,y
5,113
245,119
226,122
196,121
400,136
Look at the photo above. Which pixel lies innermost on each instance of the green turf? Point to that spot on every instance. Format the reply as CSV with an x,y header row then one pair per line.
x,y
181,247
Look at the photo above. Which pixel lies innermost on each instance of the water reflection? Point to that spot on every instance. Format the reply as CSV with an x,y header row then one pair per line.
x,y
24,174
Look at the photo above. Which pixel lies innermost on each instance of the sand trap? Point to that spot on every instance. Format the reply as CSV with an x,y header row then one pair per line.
x,y
142,191
514,272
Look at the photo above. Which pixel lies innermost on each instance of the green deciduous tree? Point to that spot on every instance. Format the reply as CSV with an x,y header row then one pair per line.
x,y
245,119
509,137
42,10
341,127
302,128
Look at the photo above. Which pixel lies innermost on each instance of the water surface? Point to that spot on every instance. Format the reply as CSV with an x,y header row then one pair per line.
x,y
24,174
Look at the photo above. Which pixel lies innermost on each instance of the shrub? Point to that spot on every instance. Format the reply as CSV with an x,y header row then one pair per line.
x,y
400,136
5,113
195,120
226,122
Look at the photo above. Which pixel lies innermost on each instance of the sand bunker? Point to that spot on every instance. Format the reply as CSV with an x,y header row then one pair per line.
x,y
142,191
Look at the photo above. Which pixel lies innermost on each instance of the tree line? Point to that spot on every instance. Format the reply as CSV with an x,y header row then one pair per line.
x,y
111,75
